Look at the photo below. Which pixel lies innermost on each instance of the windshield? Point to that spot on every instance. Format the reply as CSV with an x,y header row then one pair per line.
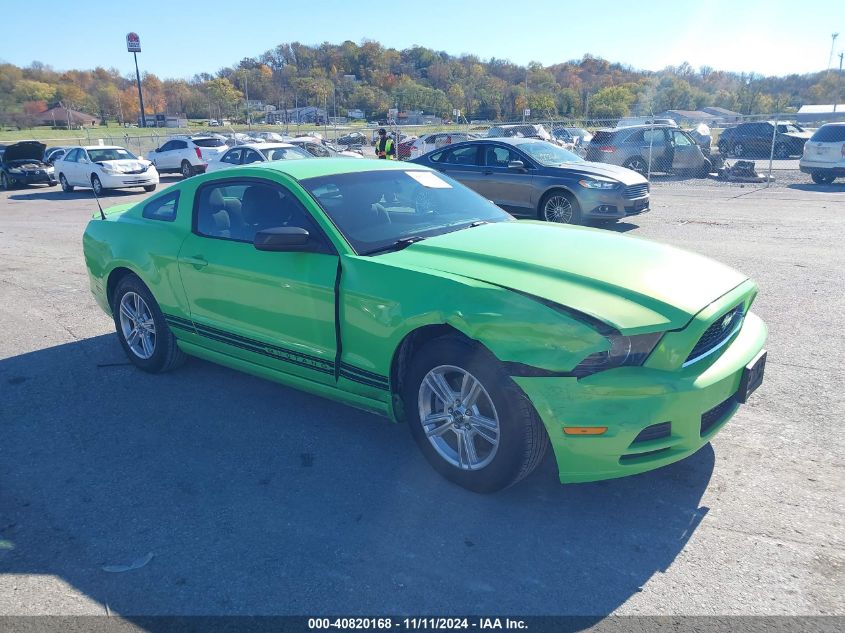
x,y
788,128
284,153
99,155
376,209
548,154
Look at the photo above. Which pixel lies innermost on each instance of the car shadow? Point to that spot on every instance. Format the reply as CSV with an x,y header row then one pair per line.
x,y
76,194
229,494
834,187
619,227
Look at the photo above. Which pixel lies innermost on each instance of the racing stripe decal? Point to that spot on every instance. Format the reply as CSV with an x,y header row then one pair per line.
x,y
350,372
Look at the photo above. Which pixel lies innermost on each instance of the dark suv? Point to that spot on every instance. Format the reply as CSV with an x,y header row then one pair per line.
x,y
669,149
755,139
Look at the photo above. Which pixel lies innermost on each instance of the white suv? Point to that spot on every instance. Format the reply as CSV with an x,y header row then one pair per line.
x,y
187,155
824,154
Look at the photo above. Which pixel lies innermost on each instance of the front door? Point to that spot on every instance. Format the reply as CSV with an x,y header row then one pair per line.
x,y
463,164
275,309
686,154
510,188
656,147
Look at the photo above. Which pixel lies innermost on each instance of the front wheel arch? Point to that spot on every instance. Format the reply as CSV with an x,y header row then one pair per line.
x,y
114,279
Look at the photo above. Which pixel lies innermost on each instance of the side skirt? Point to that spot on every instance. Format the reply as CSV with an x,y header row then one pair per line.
x,y
303,384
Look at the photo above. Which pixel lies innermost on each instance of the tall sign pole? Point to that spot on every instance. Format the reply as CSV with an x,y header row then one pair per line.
x,y
133,45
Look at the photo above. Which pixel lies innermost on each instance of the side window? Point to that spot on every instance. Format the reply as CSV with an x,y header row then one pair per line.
x,y
166,147
163,208
467,155
654,137
232,157
498,156
82,156
73,156
237,210
680,138
251,156
180,145
437,157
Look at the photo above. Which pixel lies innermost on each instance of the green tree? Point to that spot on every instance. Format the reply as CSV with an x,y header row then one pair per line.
x,y
612,102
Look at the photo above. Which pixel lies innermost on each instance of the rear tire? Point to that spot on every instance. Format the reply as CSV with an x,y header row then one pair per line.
x,y
738,149
4,182
705,170
638,165
153,348
781,151
67,188
186,169
500,410
822,179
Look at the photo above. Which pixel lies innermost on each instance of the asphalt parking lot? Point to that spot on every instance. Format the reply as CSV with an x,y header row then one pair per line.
x,y
253,498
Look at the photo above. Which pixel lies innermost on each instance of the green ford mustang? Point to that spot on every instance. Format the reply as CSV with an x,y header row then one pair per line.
x,y
392,288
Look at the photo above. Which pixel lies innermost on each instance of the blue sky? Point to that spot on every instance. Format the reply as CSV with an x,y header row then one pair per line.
x,y
180,39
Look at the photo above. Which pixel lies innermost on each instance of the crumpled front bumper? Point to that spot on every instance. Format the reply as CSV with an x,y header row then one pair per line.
x,y
629,399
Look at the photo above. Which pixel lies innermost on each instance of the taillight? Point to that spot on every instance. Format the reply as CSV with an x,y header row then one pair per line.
x,y
199,153
608,149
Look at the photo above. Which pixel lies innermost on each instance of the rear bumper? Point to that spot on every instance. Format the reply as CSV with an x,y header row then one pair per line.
x,y
627,400
822,168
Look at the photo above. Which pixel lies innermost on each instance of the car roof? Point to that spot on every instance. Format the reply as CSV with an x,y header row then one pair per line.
x,y
268,145
510,140
101,147
302,169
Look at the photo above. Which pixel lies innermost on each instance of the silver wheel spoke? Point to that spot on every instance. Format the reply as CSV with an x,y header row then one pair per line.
x,y
137,325
470,390
147,343
441,389
127,311
437,424
132,338
460,449
486,428
469,445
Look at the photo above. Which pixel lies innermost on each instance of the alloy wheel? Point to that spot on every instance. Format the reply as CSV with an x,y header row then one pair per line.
x,y
558,208
459,417
96,185
639,166
739,149
137,325
187,171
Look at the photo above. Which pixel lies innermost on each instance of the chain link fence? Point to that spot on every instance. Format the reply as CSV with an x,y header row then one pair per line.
x,y
760,149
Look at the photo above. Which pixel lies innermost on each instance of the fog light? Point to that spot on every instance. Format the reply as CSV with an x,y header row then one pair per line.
x,y
584,430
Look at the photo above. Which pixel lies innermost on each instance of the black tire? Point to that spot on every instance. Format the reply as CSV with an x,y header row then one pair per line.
x,y
4,182
781,151
574,217
166,354
186,169
149,188
96,185
822,179
67,188
637,164
738,149
522,437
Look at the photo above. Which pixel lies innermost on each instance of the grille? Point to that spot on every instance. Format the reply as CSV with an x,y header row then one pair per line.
x,y
638,456
712,417
654,432
635,191
719,332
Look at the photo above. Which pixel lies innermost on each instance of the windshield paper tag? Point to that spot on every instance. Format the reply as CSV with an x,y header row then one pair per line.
x,y
429,179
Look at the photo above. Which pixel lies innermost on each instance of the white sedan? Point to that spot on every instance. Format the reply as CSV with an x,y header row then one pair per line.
x,y
257,153
101,167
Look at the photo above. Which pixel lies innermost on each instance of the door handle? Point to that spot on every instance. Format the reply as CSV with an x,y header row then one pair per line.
x,y
197,261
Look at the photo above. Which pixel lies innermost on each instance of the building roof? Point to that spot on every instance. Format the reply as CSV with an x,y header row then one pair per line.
x,y
721,111
60,114
821,109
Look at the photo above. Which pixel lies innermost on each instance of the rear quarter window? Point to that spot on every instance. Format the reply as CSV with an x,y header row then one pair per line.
x,y
208,142
163,208
829,134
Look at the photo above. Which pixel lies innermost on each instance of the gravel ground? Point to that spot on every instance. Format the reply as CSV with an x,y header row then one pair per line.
x,y
256,499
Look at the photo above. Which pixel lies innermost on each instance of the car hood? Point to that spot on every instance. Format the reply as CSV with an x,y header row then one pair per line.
x,y
622,174
632,284
126,165
25,150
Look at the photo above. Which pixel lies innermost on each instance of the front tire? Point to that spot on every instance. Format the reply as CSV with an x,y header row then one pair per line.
x,y
66,187
4,182
96,185
822,179
187,170
469,419
560,207
149,188
143,332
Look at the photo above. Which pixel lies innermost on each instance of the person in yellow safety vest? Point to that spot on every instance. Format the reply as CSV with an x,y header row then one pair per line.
x,y
384,146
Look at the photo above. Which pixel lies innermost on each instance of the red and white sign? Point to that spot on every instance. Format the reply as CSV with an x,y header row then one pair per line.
x,y
133,43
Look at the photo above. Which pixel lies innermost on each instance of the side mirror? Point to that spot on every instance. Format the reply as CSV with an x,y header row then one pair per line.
x,y
282,239
157,150
516,164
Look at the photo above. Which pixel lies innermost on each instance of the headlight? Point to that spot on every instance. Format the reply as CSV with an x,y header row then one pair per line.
x,y
625,351
50,169
591,183
15,170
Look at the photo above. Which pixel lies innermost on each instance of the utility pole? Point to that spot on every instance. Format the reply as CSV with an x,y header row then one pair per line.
x,y
833,37
839,83
246,94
